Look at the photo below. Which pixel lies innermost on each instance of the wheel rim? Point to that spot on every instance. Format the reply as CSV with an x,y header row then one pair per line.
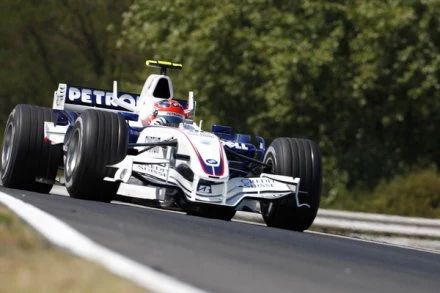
x,y
73,153
268,206
8,145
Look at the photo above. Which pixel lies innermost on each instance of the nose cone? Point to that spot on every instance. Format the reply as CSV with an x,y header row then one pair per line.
x,y
210,153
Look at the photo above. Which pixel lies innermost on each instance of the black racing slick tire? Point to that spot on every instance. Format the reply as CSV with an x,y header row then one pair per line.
x,y
98,139
29,161
297,158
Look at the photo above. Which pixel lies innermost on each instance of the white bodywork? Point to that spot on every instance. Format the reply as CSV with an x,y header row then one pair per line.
x,y
203,154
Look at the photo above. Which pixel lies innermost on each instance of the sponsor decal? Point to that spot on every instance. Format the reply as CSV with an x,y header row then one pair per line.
x,y
200,133
152,139
96,97
155,170
204,189
60,96
211,161
206,142
258,183
235,145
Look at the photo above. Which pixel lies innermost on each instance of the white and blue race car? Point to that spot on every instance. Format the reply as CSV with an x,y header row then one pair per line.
x,y
97,137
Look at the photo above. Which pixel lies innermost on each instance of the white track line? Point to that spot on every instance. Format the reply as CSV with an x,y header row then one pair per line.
x,y
376,242
66,237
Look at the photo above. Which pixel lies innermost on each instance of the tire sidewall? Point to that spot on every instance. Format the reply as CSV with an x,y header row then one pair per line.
x,y
7,168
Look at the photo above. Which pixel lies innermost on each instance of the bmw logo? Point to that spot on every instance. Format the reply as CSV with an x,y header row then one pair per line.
x,y
211,161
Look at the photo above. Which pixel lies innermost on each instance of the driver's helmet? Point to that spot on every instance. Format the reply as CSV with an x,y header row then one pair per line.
x,y
167,112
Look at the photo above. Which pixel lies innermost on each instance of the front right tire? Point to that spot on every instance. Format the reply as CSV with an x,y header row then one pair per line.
x,y
296,158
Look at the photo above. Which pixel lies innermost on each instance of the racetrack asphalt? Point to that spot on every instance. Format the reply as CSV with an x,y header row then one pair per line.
x,y
220,256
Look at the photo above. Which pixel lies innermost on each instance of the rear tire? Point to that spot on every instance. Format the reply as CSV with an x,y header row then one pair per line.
x,y
297,158
26,156
98,139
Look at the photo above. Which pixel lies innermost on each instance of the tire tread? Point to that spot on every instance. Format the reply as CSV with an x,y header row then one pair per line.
x,y
32,157
105,141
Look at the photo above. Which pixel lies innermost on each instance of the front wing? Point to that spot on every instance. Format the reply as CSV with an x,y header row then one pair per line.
x,y
156,173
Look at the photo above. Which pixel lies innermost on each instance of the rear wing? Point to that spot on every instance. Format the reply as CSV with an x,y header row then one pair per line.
x,y
78,99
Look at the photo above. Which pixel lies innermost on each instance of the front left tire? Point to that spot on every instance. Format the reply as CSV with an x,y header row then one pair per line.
x,y
28,161
98,139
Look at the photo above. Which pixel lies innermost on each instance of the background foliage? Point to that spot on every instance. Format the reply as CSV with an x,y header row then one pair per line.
x,y
360,77
52,41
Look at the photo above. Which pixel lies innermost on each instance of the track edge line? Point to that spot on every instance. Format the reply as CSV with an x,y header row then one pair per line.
x,y
64,236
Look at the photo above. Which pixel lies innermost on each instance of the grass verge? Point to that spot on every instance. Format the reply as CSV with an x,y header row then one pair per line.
x,y
415,194
29,263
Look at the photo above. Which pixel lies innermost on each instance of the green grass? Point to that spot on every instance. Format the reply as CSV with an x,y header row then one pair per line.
x,y
416,194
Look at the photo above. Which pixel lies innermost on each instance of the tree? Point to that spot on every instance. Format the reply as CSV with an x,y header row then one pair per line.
x,y
361,77
50,41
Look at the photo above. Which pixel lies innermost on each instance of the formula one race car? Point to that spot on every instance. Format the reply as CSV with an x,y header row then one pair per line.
x,y
148,146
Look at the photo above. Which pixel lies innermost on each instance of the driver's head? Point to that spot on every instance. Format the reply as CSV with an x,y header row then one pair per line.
x,y
167,112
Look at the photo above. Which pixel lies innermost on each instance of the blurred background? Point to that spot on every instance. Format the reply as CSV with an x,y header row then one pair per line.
x,y
362,78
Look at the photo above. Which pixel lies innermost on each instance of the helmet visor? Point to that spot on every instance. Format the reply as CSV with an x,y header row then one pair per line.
x,y
172,119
